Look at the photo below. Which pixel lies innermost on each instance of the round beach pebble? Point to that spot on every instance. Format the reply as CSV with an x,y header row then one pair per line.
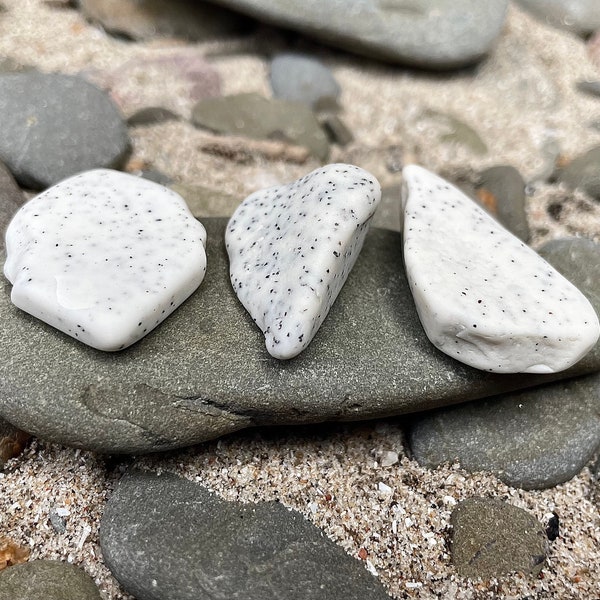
x,y
47,580
491,538
54,126
302,78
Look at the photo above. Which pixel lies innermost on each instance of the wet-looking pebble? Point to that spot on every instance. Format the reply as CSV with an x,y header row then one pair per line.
x,y
104,257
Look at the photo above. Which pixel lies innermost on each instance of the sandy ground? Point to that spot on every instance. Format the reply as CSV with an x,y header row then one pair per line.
x,y
523,103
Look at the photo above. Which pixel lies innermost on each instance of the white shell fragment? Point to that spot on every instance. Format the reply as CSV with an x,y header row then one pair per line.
x,y
104,257
483,296
292,247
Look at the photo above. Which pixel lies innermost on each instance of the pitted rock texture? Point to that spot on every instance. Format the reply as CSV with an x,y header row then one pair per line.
x,y
483,296
292,247
104,257
491,538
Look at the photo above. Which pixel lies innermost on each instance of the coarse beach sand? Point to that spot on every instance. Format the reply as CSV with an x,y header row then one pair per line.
x,y
523,103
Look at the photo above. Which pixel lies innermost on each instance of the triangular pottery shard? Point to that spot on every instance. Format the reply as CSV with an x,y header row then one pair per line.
x,y
291,248
104,257
483,296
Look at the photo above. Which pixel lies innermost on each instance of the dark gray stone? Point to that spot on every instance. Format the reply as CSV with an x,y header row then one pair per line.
x,y
336,129
580,16
54,126
47,580
502,192
164,537
583,173
491,538
205,371
12,442
533,439
302,78
589,87
427,33
146,19
151,116
253,116
11,198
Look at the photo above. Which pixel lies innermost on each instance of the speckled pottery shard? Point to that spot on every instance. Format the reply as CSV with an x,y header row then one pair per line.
x,y
291,248
104,257
483,296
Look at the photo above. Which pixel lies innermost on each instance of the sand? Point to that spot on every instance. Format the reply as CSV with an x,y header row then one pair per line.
x,y
523,103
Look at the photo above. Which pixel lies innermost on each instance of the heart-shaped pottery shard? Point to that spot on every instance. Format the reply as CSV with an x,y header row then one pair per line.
x,y
291,248
104,257
483,296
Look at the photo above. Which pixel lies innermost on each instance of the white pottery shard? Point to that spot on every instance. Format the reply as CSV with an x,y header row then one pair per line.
x,y
104,257
483,296
291,248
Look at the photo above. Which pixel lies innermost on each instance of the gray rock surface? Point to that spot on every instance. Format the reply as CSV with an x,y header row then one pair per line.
x,y
578,259
206,202
47,580
533,439
54,126
502,192
205,372
491,538
581,16
583,173
433,34
11,198
253,116
146,19
302,78
389,212
166,537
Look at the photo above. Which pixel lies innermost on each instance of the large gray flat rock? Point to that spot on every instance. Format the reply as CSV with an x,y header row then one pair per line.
x,y
436,34
205,372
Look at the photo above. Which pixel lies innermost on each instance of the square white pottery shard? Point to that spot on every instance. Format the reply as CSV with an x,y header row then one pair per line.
x,y
483,296
104,257
291,248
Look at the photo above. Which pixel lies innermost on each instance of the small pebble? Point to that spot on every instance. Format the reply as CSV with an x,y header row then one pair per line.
x,y
253,116
302,78
40,111
47,580
583,173
491,538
